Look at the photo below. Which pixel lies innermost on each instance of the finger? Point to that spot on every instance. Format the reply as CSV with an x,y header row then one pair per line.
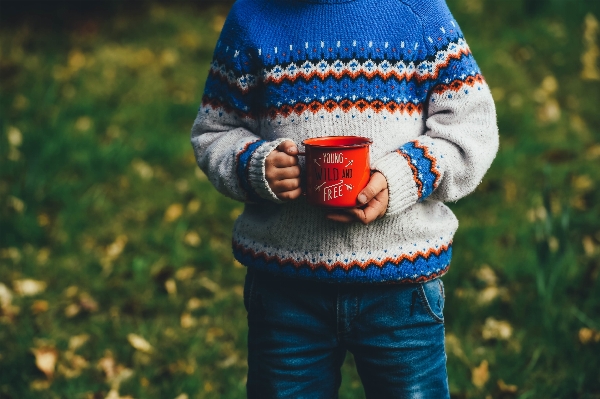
x,y
376,184
289,195
288,147
283,160
275,174
286,185
374,209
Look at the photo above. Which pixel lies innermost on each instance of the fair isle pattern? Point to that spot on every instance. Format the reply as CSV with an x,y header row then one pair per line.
x,y
358,83
243,162
369,68
423,166
414,267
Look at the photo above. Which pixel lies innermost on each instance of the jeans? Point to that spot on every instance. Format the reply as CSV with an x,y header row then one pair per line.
x,y
299,332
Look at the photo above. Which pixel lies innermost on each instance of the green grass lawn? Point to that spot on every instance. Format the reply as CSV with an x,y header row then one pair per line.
x,y
116,273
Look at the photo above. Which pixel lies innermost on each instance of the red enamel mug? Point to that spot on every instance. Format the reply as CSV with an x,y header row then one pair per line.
x,y
337,169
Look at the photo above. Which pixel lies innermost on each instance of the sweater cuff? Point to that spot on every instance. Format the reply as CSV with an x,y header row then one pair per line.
x,y
256,170
401,185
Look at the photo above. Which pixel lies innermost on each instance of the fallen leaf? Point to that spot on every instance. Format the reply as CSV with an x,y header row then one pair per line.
x,y
195,303
480,374
77,341
504,387
212,333
5,296
83,123
40,385
29,287
192,239
144,170
173,212
45,360
171,287
194,206
15,138
488,294
72,310
187,320
209,285
39,306
73,365
88,303
487,275
139,343
185,273
588,335
496,329
116,248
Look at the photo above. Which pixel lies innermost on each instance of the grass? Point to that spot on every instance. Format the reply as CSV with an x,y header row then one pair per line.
x,y
116,275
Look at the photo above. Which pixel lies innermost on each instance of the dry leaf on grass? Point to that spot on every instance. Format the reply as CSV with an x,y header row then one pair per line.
x,y
588,335
139,343
496,329
45,359
480,374
29,287
173,212
504,387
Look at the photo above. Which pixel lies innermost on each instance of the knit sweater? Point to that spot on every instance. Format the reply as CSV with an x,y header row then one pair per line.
x,y
396,71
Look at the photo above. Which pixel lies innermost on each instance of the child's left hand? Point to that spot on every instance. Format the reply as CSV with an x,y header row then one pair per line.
x,y
373,200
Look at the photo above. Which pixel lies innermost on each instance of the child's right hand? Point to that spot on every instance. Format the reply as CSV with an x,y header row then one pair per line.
x,y
282,171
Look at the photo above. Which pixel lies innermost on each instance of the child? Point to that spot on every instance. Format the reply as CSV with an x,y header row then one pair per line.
x,y
366,280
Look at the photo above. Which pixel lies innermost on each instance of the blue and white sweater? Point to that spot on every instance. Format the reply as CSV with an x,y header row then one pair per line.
x,y
396,71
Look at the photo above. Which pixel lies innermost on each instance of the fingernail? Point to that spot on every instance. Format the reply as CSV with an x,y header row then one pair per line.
x,y
362,198
293,149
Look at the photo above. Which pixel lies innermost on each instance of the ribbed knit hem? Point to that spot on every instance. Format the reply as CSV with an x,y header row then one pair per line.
x,y
256,171
401,185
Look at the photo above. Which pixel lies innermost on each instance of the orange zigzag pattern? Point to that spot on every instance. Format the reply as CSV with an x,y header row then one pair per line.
x,y
345,266
457,84
433,160
345,106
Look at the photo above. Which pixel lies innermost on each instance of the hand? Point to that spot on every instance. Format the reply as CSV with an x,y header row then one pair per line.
x,y
282,171
373,202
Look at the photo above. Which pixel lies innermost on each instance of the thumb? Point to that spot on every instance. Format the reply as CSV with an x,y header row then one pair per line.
x,y
376,184
288,146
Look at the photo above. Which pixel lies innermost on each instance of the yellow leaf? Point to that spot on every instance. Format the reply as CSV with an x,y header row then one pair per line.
x,y
77,341
187,320
83,123
5,296
15,138
29,287
171,286
139,343
114,250
504,387
45,360
185,273
39,306
192,239
173,212
480,374
496,329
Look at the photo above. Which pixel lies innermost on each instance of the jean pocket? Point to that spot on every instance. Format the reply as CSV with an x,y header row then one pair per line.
x,y
432,297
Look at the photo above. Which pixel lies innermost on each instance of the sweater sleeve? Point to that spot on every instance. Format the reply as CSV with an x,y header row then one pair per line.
x,y
225,134
460,139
